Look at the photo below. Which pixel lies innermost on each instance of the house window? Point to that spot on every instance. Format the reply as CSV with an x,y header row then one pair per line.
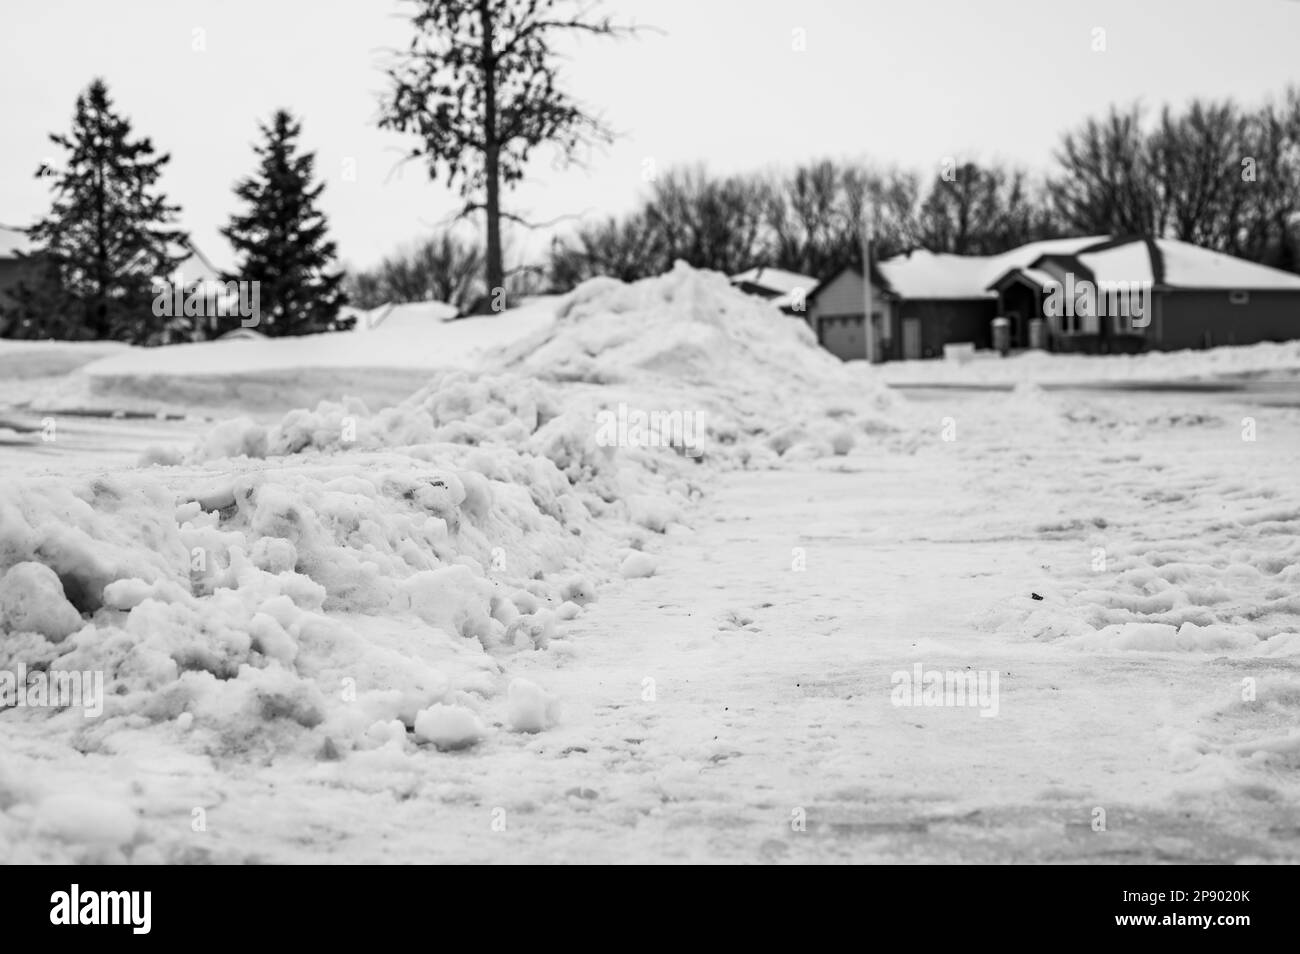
x,y
1238,297
1069,324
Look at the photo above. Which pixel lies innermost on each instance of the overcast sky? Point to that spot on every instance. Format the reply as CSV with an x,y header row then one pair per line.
x,y
905,81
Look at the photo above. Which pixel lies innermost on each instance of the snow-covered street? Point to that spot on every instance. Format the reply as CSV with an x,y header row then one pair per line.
x,y
416,645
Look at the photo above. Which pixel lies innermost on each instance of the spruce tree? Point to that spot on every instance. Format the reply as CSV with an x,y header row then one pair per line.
x,y
282,238
108,236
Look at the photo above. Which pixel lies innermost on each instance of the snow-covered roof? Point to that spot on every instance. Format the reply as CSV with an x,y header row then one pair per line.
x,y
923,274
13,241
1190,266
776,280
198,267
793,300
1114,261
1130,262
1038,276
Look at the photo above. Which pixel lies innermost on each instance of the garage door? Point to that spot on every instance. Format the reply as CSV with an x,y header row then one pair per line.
x,y
842,336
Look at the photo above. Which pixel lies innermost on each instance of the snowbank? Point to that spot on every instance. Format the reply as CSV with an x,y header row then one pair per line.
x,y
345,581
382,363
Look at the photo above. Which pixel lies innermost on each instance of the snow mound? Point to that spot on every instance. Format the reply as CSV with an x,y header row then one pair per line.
x,y
688,341
343,585
449,727
531,708
32,600
687,325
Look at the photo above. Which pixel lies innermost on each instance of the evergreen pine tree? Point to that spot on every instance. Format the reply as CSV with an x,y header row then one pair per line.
x,y
108,235
281,240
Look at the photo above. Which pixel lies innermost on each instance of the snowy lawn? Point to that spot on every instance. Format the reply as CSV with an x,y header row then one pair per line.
x,y
266,376
988,369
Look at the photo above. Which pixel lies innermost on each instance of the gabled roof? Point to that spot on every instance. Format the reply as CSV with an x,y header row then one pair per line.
x,y
1190,266
922,274
197,267
1164,263
1036,277
878,279
776,280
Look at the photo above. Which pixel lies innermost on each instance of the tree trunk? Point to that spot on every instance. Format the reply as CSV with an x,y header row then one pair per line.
x,y
492,151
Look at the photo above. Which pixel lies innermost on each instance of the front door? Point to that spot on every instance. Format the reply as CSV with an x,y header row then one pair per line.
x,y
911,338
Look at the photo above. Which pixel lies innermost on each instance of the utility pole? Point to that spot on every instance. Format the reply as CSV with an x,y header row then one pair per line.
x,y
868,330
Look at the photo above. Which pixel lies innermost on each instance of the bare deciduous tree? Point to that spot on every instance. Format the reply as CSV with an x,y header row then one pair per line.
x,y
479,87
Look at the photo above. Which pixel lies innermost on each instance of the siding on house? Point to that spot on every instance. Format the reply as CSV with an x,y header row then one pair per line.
x,y
13,273
1208,318
835,314
950,321
1199,298
842,295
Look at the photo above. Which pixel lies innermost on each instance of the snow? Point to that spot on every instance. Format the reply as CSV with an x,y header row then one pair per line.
x,y
531,708
922,274
32,601
1189,266
404,317
399,341
351,632
449,727
776,280
637,565
25,366
1123,263
988,369
266,376
86,818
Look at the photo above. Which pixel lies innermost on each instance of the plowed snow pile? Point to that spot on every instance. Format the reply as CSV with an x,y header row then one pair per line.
x,y
349,582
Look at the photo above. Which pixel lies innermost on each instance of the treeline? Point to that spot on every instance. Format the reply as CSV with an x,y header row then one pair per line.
x,y
1212,173
105,254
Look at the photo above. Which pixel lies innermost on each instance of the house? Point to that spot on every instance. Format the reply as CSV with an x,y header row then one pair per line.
x,y
18,266
1142,293
1093,294
836,306
786,290
15,269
